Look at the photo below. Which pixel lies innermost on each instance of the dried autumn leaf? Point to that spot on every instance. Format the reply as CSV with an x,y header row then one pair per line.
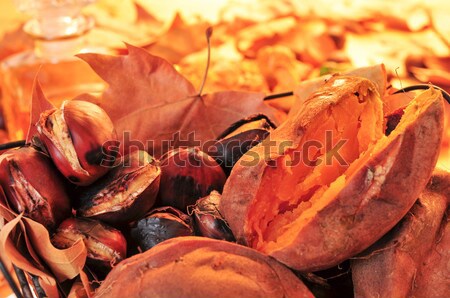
x,y
180,40
39,103
149,99
27,245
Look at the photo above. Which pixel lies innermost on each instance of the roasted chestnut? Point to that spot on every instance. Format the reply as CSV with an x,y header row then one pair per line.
x,y
126,193
81,140
393,119
159,225
187,175
208,221
34,186
105,245
238,139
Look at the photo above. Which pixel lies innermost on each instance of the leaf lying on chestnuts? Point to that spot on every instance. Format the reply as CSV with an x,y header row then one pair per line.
x,y
187,175
159,225
105,245
240,137
208,221
81,140
34,186
126,193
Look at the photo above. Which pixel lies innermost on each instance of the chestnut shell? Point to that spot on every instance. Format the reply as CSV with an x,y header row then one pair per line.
x,y
34,186
106,246
240,137
208,221
187,175
159,225
125,194
92,135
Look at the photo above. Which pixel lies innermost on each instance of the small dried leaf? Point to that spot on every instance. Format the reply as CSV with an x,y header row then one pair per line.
x,y
39,103
150,99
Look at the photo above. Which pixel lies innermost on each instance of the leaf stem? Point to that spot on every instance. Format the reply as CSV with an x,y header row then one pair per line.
x,y
208,34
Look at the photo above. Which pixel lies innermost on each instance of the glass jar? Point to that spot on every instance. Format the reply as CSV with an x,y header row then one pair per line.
x,y
58,29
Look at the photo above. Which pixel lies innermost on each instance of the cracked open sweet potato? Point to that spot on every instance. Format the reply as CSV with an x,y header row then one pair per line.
x,y
327,183
412,259
201,267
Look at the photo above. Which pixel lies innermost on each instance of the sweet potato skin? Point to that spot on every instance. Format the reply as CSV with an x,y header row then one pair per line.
x,y
412,259
201,267
243,184
358,215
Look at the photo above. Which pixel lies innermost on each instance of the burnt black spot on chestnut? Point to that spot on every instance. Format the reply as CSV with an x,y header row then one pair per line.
x,y
95,156
73,179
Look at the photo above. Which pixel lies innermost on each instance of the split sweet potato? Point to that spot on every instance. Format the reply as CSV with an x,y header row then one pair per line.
x,y
412,259
314,213
201,267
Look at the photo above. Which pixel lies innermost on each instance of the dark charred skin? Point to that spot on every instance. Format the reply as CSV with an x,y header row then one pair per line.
x,y
233,127
238,139
95,156
161,224
187,175
393,119
125,193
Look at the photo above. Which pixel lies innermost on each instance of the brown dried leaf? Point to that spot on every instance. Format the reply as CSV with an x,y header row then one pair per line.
x,y
150,99
27,245
39,103
180,40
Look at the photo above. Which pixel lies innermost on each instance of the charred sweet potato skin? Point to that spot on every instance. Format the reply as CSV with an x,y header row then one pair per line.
x,y
201,267
412,259
362,210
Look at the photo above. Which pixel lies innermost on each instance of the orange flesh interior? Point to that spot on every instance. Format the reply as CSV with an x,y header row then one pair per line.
x,y
277,204
286,224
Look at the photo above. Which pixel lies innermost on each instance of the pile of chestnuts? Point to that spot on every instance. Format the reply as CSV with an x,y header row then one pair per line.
x,y
74,183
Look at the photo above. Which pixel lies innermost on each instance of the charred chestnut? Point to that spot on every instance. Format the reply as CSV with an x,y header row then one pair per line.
x,y
393,119
105,245
126,193
80,138
34,186
159,225
208,221
187,175
238,139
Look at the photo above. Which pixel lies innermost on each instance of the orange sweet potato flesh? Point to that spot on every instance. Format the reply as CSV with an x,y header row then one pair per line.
x,y
412,259
312,217
201,267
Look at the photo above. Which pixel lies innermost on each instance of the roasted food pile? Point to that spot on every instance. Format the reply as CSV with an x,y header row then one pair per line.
x,y
156,188
340,197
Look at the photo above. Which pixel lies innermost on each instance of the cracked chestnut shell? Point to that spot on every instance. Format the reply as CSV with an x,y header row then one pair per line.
x,y
106,246
208,221
240,137
34,186
159,225
187,175
81,140
126,193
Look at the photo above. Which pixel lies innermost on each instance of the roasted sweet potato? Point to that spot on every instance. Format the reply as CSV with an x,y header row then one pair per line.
x,y
412,259
312,215
201,267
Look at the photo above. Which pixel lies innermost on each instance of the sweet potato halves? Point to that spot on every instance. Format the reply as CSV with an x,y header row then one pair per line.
x,y
327,183
412,260
201,267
